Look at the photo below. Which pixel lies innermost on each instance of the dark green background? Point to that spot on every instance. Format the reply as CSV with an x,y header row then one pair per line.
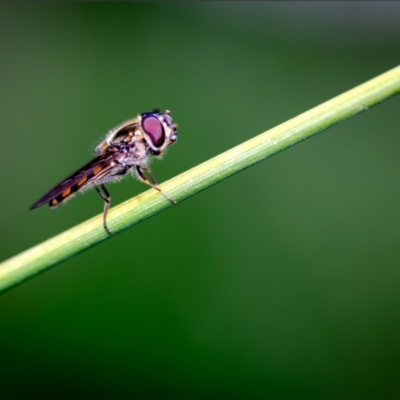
x,y
281,282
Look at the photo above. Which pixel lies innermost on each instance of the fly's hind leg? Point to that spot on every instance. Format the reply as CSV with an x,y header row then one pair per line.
x,y
107,200
152,182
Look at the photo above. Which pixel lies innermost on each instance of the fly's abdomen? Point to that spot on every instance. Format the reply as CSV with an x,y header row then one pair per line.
x,y
68,192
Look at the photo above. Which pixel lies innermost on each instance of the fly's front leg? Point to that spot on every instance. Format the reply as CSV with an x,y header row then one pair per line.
x,y
152,182
107,200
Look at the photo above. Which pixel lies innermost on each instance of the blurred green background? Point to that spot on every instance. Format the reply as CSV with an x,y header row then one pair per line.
x,y
281,282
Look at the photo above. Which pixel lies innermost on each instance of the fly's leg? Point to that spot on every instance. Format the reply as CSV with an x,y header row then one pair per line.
x,y
152,182
107,200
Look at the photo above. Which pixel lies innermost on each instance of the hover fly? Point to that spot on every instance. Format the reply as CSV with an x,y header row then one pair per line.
x,y
127,147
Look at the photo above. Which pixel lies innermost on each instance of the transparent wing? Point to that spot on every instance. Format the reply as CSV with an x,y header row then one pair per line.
x,y
100,169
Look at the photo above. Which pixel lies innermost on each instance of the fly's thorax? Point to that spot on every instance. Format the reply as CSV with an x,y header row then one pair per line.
x,y
125,135
121,136
134,154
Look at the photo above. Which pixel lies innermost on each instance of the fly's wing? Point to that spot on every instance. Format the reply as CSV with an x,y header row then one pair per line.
x,y
97,169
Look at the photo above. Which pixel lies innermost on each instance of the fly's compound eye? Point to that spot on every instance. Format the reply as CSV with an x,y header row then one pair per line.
x,y
154,131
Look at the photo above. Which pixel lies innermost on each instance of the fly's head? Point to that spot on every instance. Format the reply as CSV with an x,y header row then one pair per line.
x,y
158,131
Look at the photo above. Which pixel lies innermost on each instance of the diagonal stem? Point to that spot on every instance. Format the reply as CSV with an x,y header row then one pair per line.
x,y
75,240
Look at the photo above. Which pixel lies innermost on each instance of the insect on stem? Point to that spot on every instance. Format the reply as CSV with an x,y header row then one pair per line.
x,y
126,148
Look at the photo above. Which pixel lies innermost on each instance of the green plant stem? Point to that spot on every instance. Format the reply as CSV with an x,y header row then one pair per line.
x,y
67,244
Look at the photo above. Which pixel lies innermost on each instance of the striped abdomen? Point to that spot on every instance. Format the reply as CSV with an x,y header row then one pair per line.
x,y
75,182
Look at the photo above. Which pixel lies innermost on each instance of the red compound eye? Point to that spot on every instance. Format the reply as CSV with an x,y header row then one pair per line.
x,y
154,130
